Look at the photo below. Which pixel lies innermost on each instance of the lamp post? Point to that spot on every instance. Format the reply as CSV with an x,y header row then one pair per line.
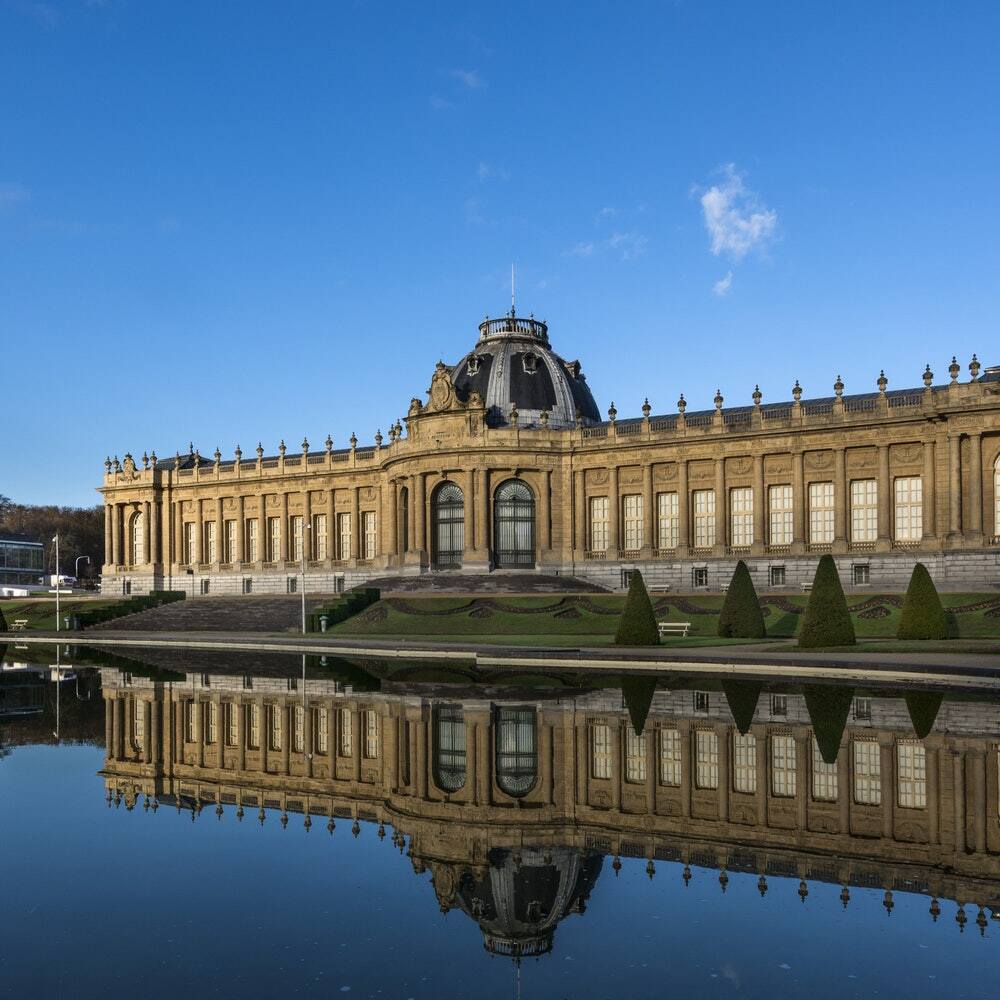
x,y
305,547
76,566
56,540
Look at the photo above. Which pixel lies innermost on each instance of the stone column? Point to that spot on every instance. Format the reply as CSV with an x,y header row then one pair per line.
x,y
286,737
721,506
147,728
120,728
958,783
884,499
109,556
977,759
579,511
649,539
840,499
483,512
308,543
759,504
153,555
928,489
198,554
356,717
975,532
683,508
241,734
390,505
411,514
614,513
798,503
180,555
420,514
545,511
220,531
116,551
469,508
355,521
241,530
955,487
109,723
333,532
283,524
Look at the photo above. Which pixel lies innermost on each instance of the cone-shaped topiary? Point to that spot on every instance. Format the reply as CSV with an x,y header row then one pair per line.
x,y
637,691
741,617
742,697
637,625
923,707
828,707
3,622
826,621
923,616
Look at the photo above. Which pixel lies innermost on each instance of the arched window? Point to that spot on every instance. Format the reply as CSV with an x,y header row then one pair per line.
x,y
449,747
138,549
514,525
516,750
448,520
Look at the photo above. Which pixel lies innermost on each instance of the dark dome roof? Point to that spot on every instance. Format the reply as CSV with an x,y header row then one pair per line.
x,y
513,365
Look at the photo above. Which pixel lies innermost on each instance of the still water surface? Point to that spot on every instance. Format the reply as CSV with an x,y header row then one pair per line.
x,y
504,813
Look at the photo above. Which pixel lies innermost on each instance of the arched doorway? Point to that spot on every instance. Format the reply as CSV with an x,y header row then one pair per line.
x,y
449,747
516,750
448,521
514,526
138,548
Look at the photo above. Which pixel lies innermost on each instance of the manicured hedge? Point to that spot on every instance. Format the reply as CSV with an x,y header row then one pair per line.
x,y
3,622
637,625
742,698
826,621
923,707
741,616
128,606
344,607
828,707
637,693
922,616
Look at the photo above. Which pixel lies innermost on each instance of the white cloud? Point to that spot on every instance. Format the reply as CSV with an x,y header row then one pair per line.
x,y
722,286
581,250
629,245
12,194
608,212
469,78
736,219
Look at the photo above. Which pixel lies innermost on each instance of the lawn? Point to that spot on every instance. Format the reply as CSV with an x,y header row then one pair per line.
x,y
41,611
591,619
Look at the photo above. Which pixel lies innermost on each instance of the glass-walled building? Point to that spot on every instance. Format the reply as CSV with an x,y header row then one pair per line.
x,y
21,560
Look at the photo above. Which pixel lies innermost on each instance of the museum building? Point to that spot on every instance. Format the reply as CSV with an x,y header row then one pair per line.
x,y
509,466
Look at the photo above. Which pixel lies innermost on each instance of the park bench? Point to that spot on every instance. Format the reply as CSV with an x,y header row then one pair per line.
x,y
673,628
18,624
806,587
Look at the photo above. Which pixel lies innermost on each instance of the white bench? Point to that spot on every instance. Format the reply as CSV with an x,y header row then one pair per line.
x,y
673,628
18,625
806,587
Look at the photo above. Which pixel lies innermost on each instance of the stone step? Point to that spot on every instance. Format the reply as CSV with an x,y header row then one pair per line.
x,y
492,583
218,614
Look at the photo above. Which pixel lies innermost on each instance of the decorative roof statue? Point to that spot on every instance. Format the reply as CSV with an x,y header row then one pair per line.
x,y
928,377
954,368
974,367
757,396
882,382
796,391
838,387
646,409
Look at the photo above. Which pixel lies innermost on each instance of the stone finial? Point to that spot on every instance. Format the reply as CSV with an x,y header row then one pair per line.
x,y
757,395
107,465
378,438
543,418
681,403
882,382
719,399
646,409
260,451
218,455
954,368
238,454
145,460
305,446
354,440
153,459
329,443
281,448
796,391
612,412
928,377
191,448
838,386
974,367
116,465
177,460
197,458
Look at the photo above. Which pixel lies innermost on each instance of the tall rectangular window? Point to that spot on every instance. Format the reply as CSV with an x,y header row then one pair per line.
x,y
867,773
212,710
208,534
295,536
783,765
635,756
909,509
190,724
704,518
229,543
598,524
745,763
298,729
344,535
911,774
319,542
706,758
232,724
600,751
138,722
368,523
322,731
864,510
632,511
253,734
741,516
346,733
274,727
779,502
820,513
369,719
670,757
273,538
824,776
251,550
189,543
668,520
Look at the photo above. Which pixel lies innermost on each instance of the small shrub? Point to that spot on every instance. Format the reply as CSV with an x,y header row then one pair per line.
x,y
923,616
826,621
828,708
741,616
637,625
742,697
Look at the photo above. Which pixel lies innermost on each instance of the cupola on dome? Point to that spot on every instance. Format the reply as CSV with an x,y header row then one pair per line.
x,y
520,378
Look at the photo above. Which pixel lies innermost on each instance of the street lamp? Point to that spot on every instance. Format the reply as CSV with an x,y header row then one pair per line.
x,y
56,540
305,548
76,566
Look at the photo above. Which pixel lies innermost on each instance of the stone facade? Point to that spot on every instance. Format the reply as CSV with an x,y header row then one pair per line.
x,y
482,785
880,480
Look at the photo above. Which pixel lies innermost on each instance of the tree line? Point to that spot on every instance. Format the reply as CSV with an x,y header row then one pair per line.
x,y
80,529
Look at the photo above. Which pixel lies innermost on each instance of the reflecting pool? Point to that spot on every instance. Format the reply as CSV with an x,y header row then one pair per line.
x,y
256,825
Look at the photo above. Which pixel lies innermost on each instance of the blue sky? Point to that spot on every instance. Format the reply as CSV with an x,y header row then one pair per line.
x,y
229,222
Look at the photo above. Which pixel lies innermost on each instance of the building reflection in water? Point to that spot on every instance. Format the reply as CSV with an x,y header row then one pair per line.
x,y
513,798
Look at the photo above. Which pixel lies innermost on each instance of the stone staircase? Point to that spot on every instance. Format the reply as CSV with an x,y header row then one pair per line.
x,y
492,583
217,614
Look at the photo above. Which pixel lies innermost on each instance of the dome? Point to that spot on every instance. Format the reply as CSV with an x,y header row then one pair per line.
x,y
513,366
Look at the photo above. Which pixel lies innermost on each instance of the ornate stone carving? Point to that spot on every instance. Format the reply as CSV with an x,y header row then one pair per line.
x,y
739,466
442,392
819,461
